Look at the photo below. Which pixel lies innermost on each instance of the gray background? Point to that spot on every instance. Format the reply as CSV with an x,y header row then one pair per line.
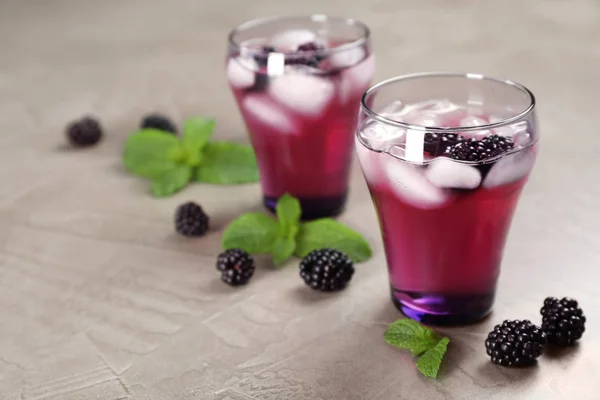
x,y
100,300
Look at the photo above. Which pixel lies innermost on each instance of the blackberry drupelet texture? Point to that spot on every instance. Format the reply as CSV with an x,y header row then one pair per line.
x,y
515,343
437,143
236,266
84,132
158,121
562,320
191,220
479,150
326,270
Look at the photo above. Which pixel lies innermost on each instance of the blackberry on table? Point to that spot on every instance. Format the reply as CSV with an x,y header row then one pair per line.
x,y
84,132
436,143
191,220
479,150
236,266
562,320
158,121
515,343
326,270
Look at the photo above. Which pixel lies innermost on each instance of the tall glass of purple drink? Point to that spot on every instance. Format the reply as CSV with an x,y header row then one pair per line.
x,y
298,82
446,157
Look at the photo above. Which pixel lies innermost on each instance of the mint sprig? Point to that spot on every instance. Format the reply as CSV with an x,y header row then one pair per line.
x,y
286,235
329,233
227,163
170,163
429,363
429,346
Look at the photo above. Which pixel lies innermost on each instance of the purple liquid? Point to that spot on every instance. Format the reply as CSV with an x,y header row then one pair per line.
x,y
302,126
444,225
444,263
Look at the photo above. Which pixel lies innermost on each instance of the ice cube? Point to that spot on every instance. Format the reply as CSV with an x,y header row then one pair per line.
x,y
356,80
442,107
512,130
424,118
510,168
369,162
343,58
393,110
304,94
472,120
241,72
522,139
411,185
268,113
291,39
381,136
445,173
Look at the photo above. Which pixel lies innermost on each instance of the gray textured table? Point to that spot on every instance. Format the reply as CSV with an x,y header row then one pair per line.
x,y
100,300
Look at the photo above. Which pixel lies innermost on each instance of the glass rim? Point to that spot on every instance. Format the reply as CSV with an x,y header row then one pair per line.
x,y
363,39
469,76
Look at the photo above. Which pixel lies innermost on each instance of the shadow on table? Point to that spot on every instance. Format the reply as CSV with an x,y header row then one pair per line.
x,y
64,148
564,354
306,295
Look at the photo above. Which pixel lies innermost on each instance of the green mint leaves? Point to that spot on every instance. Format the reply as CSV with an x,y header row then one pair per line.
x,y
170,163
227,163
429,363
253,232
330,233
288,214
408,334
287,236
422,341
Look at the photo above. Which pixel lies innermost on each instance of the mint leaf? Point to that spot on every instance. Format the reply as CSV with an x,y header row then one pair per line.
x,y
148,153
196,133
227,163
282,249
429,363
410,335
252,232
327,232
171,180
288,213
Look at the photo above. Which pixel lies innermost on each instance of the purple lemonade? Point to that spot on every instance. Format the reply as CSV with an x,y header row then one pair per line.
x,y
446,158
298,83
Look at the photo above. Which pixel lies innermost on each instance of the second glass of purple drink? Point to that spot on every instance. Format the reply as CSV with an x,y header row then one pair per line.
x,y
298,83
446,157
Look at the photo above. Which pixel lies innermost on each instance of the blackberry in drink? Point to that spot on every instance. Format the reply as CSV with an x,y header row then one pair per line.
x,y
446,157
298,82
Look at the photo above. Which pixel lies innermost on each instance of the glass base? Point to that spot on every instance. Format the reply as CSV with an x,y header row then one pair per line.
x,y
442,310
314,207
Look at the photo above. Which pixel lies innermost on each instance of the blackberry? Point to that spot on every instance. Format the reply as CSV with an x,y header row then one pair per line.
x,y
326,270
310,46
191,220
515,343
236,266
436,143
84,132
479,150
158,121
307,54
562,320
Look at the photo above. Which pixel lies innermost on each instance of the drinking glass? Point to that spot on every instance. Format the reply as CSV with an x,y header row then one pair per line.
x,y
446,157
298,83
